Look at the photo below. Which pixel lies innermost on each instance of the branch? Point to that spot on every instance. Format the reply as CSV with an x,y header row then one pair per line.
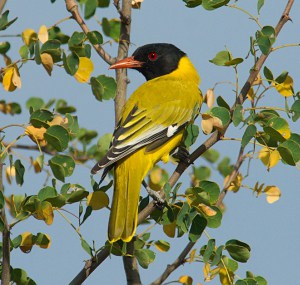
x,y
91,265
121,74
131,266
2,4
72,7
5,276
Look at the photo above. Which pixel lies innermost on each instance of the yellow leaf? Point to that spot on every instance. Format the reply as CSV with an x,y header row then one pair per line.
x,y
157,178
209,98
7,82
206,269
285,88
44,212
226,277
10,173
97,200
273,194
192,255
269,157
207,123
136,4
43,34
47,62
186,280
28,36
235,184
208,211
36,135
58,120
27,242
85,68
170,229
251,95
16,79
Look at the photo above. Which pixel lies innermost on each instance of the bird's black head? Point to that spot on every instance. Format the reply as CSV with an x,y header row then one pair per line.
x,y
153,60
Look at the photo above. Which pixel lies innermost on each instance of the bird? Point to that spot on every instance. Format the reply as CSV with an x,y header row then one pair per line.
x,y
152,125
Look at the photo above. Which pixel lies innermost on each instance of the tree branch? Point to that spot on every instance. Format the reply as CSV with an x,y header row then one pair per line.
x,y
5,276
2,4
72,7
131,266
91,265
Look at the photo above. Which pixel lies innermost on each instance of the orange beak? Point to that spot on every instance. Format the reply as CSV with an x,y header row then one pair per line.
x,y
128,62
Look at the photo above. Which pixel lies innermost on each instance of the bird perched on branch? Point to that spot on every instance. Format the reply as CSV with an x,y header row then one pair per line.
x,y
152,125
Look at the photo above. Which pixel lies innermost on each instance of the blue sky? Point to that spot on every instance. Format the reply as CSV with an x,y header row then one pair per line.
x,y
270,230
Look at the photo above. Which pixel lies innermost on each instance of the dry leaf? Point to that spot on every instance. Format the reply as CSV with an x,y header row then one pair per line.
x,y
47,62
43,34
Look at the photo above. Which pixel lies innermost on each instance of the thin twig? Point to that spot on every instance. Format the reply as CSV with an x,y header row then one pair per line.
x,y
5,276
2,4
72,7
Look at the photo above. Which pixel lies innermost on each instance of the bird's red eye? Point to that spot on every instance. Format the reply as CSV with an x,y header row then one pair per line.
x,y
152,56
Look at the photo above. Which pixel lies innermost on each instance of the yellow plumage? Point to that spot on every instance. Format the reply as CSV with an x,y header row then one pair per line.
x,y
169,100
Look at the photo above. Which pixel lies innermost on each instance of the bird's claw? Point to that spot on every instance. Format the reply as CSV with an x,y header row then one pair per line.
x,y
182,154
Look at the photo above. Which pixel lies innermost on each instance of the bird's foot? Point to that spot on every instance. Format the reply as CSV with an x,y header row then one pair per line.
x,y
182,154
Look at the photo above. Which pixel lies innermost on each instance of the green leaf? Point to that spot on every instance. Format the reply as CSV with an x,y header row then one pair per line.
x,y
2,203
39,118
86,247
278,129
238,250
47,192
42,240
210,248
90,8
192,3
37,53
211,155
249,133
290,151
265,39
260,4
218,255
103,145
20,170
212,189
201,172
282,77
4,47
55,33
224,167
213,4
238,115
73,126
224,58
221,113
71,63
231,264
4,21
62,166
167,190
191,134
62,107
295,109
53,48
222,103
19,276
77,39
16,241
144,257
268,74
103,3
162,245
103,87
77,195
182,217
23,51
95,38
35,103
111,28
58,137
214,221
88,212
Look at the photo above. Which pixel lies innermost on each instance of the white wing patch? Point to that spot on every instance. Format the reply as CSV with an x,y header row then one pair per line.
x,y
171,130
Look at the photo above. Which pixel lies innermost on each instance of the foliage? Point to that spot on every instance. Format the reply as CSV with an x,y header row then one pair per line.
x,y
61,145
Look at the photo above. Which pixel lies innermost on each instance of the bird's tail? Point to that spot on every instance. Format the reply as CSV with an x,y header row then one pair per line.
x,y
129,174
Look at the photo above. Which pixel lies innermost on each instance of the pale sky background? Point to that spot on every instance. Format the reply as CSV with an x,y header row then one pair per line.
x,y
272,231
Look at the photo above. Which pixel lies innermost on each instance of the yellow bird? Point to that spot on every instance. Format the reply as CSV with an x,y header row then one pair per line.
x,y
152,125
